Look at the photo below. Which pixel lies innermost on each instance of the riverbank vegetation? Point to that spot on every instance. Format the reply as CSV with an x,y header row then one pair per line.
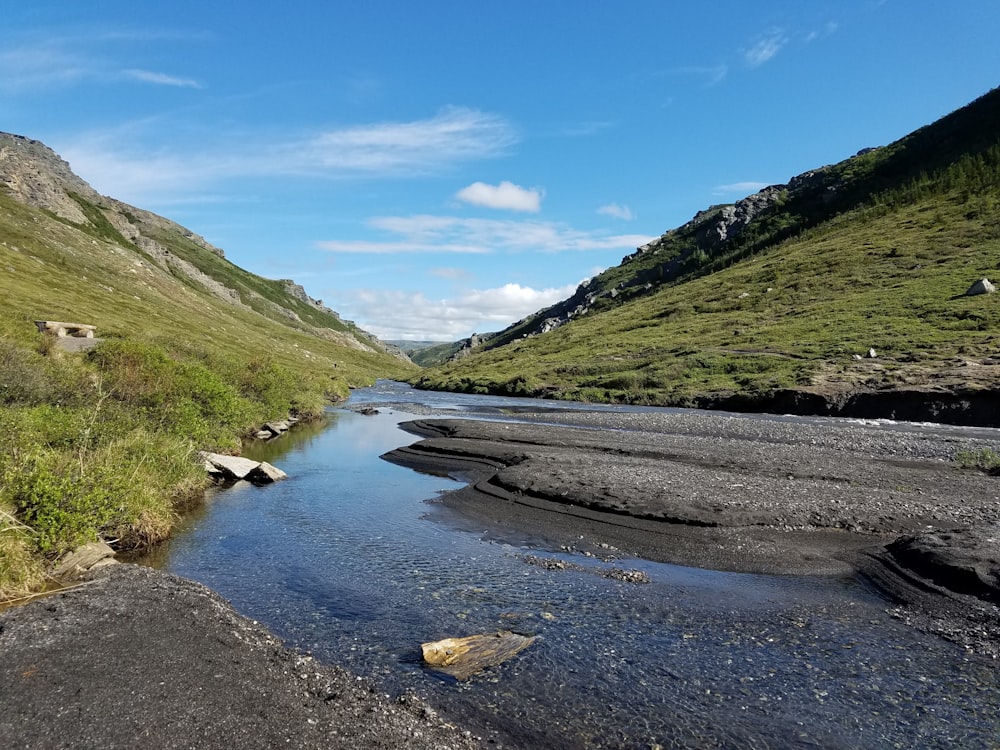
x,y
193,353
104,444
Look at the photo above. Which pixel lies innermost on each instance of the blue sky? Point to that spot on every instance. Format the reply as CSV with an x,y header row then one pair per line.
x,y
433,168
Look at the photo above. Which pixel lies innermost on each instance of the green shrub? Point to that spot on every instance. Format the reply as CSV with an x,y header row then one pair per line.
x,y
984,459
123,491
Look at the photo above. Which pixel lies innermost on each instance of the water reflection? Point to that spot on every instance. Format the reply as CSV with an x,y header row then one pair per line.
x,y
342,559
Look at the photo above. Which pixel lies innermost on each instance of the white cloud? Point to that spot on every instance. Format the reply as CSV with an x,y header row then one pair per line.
x,y
740,188
619,212
368,247
452,234
161,79
398,149
506,195
391,314
765,47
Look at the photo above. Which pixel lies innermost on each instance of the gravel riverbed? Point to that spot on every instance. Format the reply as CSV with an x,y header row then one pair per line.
x,y
745,494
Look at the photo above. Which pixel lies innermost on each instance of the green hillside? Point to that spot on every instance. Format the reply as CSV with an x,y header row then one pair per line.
x,y
435,354
873,253
194,353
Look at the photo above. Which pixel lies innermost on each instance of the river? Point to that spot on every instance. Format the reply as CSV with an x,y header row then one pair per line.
x,y
352,560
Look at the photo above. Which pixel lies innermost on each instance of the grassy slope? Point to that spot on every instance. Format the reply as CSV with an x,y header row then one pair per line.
x,y
888,275
686,253
434,355
57,272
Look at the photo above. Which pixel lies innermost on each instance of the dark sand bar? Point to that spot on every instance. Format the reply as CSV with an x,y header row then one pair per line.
x,y
743,494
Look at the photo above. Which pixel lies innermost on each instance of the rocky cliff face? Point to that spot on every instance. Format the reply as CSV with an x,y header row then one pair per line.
x,y
35,175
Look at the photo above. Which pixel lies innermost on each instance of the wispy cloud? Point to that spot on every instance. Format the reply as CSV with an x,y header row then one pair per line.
x,y
765,47
384,149
740,188
392,314
31,68
506,195
455,134
57,59
161,79
397,247
619,212
452,234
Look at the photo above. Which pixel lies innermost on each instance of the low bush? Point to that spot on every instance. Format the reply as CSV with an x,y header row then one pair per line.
x,y
983,460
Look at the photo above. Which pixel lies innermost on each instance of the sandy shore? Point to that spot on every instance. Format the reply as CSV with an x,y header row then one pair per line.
x,y
743,494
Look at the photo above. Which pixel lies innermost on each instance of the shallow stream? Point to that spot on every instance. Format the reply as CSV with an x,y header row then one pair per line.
x,y
352,560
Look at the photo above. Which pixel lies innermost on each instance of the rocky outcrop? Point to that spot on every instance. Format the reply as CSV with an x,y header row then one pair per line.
x,y
732,220
36,176
469,345
298,292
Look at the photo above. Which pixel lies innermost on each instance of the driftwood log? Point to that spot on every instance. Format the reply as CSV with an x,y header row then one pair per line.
x,y
463,657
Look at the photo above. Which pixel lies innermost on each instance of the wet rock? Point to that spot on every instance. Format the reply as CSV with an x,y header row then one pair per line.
x,y
627,576
265,473
463,657
277,427
237,468
230,467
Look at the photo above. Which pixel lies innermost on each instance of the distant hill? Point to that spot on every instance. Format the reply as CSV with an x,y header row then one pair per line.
x,y
776,301
428,353
68,253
